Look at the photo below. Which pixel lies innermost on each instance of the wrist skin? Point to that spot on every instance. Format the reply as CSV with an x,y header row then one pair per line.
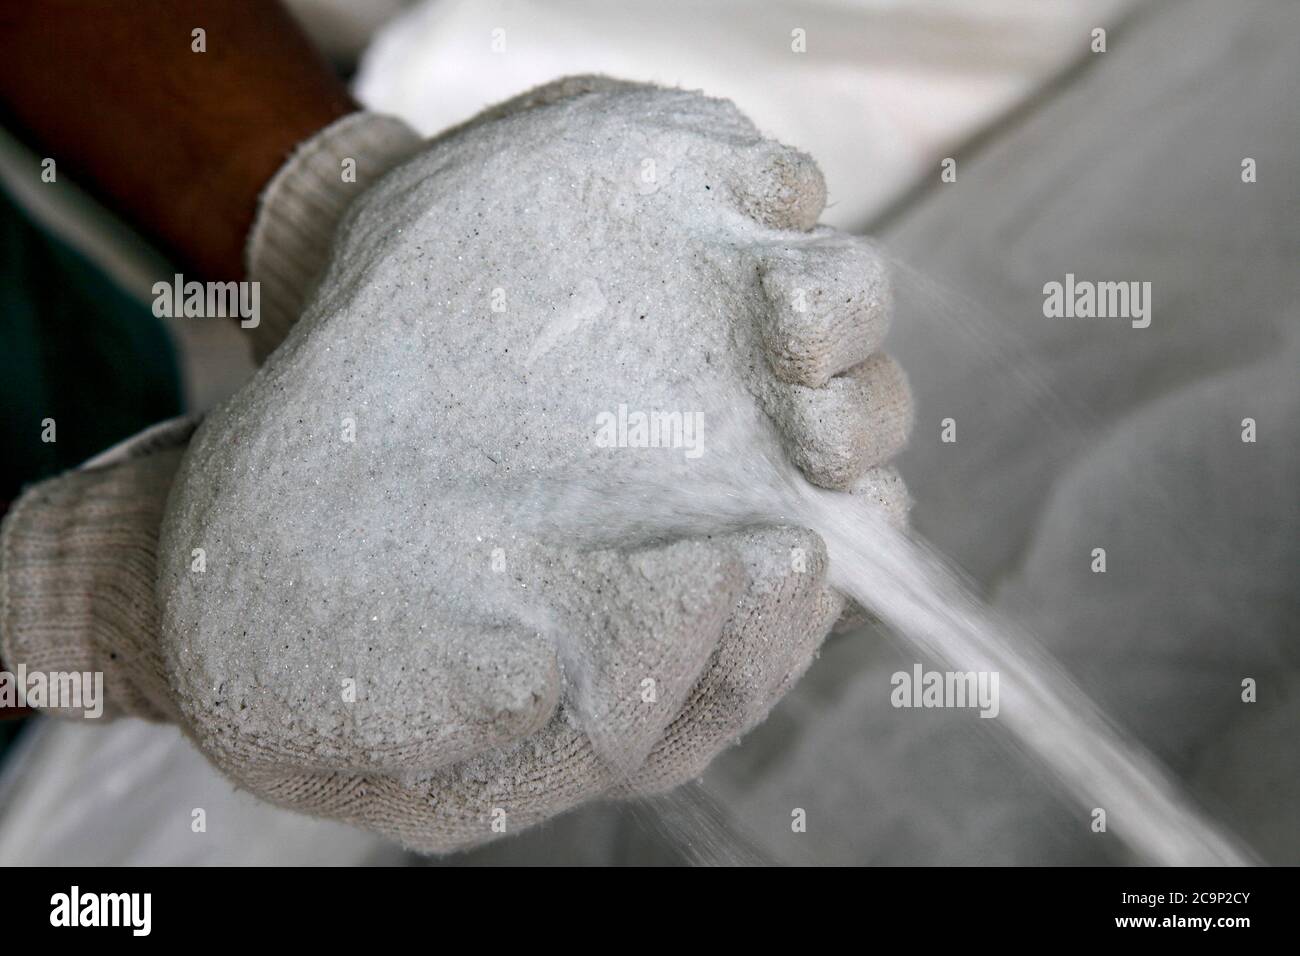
x,y
180,142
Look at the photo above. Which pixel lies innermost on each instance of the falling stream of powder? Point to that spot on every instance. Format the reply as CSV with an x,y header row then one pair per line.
x,y
744,479
912,591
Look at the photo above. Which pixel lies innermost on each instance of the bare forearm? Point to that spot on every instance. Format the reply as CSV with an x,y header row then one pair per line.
x,y
179,142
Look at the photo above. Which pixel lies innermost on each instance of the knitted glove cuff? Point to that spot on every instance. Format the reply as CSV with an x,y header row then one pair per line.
x,y
77,575
301,207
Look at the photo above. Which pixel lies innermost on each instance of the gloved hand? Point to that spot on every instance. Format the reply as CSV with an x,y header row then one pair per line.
x,y
358,618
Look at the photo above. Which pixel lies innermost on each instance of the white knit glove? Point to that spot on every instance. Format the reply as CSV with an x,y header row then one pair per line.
x,y
376,631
